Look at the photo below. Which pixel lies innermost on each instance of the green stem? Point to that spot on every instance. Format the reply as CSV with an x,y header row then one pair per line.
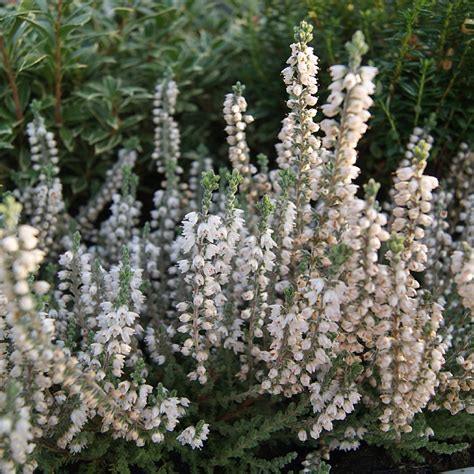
x,y
424,72
412,16
57,65
11,79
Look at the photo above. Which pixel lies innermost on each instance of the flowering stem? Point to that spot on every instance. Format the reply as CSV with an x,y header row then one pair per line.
x,y
57,65
11,79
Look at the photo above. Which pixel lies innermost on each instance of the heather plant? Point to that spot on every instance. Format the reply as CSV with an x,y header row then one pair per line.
x,y
254,322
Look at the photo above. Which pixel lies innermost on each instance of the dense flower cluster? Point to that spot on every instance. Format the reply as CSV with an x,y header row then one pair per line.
x,y
237,120
287,284
88,214
42,200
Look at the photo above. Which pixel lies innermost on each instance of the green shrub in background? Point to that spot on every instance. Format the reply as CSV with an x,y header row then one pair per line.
x,y
91,65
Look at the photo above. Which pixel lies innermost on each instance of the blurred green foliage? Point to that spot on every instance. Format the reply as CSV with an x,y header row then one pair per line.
x,y
92,66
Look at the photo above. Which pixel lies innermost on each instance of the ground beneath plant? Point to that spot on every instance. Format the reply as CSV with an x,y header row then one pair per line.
x,y
372,460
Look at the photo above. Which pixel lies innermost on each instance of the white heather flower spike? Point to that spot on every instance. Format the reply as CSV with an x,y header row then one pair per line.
x,y
113,181
416,136
299,146
117,320
201,243
437,277
256,263
364,276
123,221
408,357
194,436
168,201
237,120
167,136
461,183
463,271
42,201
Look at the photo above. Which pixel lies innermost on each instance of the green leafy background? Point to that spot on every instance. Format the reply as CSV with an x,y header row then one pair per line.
x,y
107,56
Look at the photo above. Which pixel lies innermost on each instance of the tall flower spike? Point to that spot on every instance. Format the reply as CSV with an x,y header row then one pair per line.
x,y
167,136
283,222
19,257
88,214
299,147
309,343
235,229
43,201
457,378
437,277
235,107
409,358
123,222
168,201
350,99
117,320
256,263
200,243
358,326
73,317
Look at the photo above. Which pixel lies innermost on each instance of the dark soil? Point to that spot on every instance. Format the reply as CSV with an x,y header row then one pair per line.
x,y
373,460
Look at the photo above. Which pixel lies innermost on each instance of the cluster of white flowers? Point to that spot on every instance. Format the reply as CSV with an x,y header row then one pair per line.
x,y
65,389
304,344
299,147
122,223
364,278
19,257
309,291
437,237
415,137
169,202
75,304
456,388
16,430
461,183
237,120
201,243
351,440
350,98
165,218
88,214
117,320
283,221
229,324
167,136
194,436
409,357
463,269
43,200
255,263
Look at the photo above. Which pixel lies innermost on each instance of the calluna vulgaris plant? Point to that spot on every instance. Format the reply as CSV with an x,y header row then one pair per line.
x,y
281,302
